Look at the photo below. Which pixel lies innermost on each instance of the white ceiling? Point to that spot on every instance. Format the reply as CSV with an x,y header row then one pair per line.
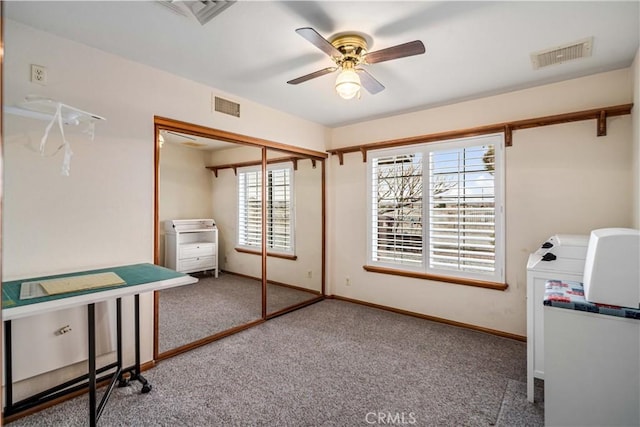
x,y
251,50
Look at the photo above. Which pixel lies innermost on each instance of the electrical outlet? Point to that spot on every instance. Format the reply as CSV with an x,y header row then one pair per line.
x,y
309,274
38,74
347,281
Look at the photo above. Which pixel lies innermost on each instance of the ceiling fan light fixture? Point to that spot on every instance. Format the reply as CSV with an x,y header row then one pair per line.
x,y
348,83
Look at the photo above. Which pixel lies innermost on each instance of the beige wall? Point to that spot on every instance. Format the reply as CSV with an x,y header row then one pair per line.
x,y
225,208
102,214
559,179
185,186
91,209
308,230
635,116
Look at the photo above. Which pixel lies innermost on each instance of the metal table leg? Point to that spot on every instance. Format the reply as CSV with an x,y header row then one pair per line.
x,y
8,373
146,386
93,419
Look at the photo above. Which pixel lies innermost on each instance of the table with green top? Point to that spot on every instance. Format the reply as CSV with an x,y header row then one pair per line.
x,y
138,278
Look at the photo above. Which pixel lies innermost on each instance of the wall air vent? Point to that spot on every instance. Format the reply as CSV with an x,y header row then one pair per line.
x,y
203,10
561,54
227,107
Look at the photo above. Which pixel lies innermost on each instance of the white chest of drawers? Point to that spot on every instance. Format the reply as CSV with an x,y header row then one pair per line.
x,y
561,257
191,245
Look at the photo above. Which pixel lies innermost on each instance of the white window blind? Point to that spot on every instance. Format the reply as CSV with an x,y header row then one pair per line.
x,y
279,209
462,209
397,209
437,208
250,208
279,219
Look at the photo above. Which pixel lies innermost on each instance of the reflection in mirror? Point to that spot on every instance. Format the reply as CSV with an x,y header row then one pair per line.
x,y
188,190
294,231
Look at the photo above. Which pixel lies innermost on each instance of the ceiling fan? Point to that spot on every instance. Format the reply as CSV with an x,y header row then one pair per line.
x,y
349,52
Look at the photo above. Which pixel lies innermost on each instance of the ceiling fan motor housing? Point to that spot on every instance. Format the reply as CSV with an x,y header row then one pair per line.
x,y
352,47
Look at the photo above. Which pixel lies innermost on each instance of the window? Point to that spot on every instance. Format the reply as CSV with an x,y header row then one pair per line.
x,y
437,208
279,218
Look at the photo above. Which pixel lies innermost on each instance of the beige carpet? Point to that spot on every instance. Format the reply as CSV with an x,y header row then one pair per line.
x,y
330,364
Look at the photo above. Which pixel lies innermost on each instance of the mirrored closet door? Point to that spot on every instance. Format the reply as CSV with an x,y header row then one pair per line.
x,y
190,198
204,176
294,224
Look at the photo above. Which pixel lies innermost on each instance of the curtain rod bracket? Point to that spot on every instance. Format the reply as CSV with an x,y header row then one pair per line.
x,y
602,123
364,154
508,136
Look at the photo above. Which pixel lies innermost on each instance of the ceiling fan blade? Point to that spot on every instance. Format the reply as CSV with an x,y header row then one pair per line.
x,y
369,82
312,75
400,51
318,41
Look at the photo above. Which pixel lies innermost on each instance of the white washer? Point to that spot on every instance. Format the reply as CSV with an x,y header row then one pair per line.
x,y
561,257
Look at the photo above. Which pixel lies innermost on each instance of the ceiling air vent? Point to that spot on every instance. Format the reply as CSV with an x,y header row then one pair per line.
x,y
203,10
174,7
206,10
560,54
227,107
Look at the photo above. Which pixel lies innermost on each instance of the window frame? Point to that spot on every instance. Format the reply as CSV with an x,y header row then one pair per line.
x,y
423,270
288,253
